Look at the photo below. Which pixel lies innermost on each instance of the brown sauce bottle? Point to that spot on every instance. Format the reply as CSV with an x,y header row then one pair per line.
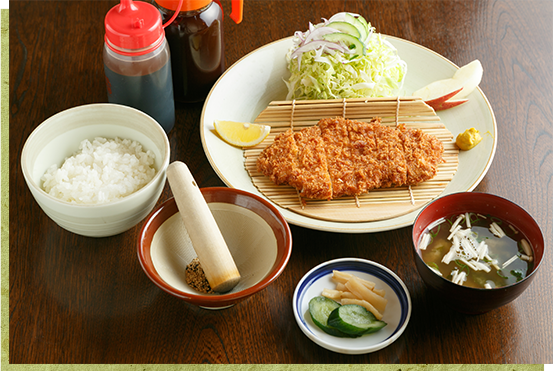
x,y
196,42
136,60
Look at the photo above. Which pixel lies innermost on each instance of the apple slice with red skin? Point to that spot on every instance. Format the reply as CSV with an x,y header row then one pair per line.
x,y
443,102
438,93
449,104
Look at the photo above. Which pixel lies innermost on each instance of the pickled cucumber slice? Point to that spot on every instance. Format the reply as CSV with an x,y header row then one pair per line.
x,y
319,308
354,320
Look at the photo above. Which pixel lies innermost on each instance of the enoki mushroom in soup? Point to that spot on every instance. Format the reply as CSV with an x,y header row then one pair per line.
x,y
476,250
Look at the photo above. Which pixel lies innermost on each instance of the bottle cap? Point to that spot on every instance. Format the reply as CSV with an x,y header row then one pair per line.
x,y
187,5
133,25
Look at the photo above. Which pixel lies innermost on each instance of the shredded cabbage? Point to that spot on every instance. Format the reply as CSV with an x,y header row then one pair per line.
x,y
324,70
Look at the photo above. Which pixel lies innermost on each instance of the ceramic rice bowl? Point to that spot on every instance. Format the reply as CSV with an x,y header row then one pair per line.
x,y
59,137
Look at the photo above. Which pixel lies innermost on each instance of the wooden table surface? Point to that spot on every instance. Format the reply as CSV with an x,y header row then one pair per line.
x,y
75,299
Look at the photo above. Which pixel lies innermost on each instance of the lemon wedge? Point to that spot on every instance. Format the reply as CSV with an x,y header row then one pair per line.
x,y
241,134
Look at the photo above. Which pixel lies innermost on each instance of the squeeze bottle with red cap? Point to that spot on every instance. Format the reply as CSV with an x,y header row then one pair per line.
x,y
137,61
195,37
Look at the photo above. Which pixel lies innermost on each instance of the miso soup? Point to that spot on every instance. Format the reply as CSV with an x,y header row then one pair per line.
x,y
476,250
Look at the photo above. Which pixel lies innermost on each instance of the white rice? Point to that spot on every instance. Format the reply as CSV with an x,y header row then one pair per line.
x,y
102,171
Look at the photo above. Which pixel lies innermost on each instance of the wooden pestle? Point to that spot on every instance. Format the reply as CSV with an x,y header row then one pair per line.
x,y
207,240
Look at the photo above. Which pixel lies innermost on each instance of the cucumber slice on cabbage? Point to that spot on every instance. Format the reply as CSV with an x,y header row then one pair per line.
x,y
345,27
355,20
351,42
363,27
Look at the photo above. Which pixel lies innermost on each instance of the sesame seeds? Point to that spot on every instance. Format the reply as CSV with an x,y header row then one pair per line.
x,y
195,277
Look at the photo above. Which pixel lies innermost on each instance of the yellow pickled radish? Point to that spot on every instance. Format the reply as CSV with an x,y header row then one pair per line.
x,y
241,134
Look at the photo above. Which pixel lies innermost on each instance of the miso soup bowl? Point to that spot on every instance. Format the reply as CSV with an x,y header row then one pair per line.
x,y
467,299
59,137
257,235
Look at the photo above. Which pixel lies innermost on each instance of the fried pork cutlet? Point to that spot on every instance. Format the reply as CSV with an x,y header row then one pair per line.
x,y
298,159
341,157
423,153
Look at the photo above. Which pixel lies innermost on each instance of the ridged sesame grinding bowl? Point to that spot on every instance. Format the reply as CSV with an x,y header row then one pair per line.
x,y
257,235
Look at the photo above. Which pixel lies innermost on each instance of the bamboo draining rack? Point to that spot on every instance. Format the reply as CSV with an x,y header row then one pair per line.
x,y
378,204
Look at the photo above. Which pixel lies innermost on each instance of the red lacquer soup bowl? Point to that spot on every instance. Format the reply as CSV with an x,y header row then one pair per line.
x,y
468,299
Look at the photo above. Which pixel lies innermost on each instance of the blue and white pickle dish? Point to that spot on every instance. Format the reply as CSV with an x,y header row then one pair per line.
x,y
397,313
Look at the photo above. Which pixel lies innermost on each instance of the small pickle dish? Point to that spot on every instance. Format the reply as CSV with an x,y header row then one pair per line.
x,y
394,298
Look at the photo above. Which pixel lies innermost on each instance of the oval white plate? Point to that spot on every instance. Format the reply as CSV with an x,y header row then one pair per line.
x,y
249,85
396,315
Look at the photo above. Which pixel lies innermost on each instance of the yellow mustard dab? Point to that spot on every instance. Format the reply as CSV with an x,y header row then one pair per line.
x,y
467,140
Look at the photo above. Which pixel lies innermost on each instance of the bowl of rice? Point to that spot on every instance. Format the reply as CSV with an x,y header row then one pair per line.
x,y
96,170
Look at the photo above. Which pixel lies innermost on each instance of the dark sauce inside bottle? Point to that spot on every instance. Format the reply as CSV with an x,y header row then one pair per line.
x,y
144,84
197,51
150,93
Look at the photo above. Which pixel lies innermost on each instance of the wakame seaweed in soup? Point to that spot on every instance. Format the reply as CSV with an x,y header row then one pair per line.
x,y
476,250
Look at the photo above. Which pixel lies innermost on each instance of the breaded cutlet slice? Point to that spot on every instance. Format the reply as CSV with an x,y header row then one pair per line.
x,y
313,180
335,137
423,154
390,155
351,152
364,141
279,161
299,160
